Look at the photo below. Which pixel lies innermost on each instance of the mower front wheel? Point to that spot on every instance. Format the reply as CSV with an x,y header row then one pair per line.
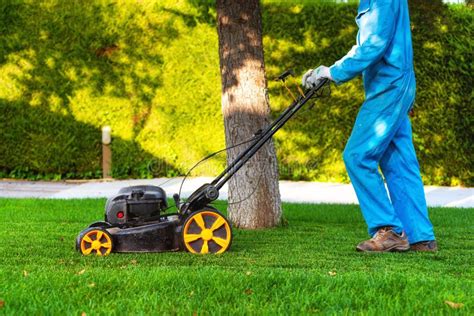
x,y
206,231
94,240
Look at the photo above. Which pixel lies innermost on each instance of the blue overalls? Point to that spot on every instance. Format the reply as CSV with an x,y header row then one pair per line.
x,y
382,134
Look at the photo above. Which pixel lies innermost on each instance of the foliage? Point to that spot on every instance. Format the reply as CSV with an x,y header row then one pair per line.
x,y
150,70
444,125
69,68
309,266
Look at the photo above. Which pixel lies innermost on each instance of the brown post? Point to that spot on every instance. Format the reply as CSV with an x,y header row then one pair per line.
x,y
106,152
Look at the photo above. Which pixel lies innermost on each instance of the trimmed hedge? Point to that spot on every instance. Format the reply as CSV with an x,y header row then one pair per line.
x,y
150,70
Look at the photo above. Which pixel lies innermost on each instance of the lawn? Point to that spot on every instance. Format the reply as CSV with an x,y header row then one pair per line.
x,y
308,266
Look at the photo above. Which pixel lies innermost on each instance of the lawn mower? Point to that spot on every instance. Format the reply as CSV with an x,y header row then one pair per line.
x,y
136,218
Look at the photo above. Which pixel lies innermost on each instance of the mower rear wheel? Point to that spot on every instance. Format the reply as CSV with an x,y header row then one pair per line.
x,y
95,240
207,231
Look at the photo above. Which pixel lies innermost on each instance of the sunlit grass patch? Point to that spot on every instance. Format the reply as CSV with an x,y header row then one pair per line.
x,y
308,266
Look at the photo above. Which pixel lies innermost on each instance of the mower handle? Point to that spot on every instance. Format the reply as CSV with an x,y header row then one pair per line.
x,y
210,191
266,134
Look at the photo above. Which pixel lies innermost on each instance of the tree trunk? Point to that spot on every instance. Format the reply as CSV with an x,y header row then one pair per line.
x,y
254,196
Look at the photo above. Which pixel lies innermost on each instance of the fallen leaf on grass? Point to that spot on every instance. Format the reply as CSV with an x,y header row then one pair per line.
x,y
81,272
332,273
134,262
248,291
25,273
248,273
2,303
454,305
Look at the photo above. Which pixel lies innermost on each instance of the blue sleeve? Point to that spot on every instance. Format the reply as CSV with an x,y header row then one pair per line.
x,y
376,30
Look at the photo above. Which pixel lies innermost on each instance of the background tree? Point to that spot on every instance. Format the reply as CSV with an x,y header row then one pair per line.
x,y
245,106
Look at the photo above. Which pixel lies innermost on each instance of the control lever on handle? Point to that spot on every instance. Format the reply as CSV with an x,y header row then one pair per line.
x,y
285,74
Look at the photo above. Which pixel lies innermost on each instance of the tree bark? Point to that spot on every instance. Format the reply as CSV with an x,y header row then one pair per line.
x,y
254,196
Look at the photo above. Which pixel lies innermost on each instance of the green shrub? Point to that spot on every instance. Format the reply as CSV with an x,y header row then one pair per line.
x,y
150,70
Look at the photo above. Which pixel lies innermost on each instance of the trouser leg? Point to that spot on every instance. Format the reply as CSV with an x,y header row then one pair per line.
x,y
369,139
401,170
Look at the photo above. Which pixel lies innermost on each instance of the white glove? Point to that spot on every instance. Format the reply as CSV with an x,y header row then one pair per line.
x,y
313,76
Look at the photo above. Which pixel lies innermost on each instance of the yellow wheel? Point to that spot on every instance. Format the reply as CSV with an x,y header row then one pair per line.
x,y
95,240
207,231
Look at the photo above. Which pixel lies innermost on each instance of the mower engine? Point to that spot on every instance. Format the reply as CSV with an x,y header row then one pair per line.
x,y
136,205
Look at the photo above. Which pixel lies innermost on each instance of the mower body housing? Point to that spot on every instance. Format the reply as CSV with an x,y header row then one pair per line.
x,y
136,204
134,222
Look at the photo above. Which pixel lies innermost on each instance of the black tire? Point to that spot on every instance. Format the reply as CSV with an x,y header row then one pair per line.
x,y
94,240
103,224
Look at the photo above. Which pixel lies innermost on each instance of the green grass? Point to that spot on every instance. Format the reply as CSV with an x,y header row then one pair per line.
x,y
276,271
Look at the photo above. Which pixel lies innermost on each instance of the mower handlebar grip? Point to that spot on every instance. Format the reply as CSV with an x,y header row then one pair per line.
x,y
318,86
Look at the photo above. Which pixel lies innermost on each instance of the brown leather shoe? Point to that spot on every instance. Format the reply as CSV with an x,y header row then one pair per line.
x,y
429,245
385,240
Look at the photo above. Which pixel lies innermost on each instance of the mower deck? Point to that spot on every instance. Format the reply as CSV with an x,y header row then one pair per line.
x,y
151,237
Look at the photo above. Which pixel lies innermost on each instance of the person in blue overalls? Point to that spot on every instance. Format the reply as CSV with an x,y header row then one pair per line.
x,y
382,135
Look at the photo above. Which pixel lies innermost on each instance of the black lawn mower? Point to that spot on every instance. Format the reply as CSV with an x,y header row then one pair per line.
x,y
136,218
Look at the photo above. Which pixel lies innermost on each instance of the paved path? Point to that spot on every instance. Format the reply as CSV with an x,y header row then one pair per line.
x,y
310,192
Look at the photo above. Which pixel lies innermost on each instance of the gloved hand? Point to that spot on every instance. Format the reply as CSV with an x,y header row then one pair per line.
x,y
313,76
